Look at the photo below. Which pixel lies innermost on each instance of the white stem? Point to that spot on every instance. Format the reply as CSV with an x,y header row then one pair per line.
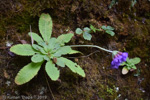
x,y
32,41
95,46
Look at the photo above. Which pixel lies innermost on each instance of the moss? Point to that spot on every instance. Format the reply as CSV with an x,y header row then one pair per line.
x,y
2,32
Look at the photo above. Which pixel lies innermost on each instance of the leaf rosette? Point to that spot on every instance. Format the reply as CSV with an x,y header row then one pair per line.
x,y
48,49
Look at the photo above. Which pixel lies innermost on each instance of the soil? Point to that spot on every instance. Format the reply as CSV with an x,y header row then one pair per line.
x,y
132,28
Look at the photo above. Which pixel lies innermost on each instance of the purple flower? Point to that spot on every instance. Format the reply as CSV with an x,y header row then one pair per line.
x,y
118,59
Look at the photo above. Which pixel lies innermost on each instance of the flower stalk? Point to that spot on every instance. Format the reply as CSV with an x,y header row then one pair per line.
x,y
95,46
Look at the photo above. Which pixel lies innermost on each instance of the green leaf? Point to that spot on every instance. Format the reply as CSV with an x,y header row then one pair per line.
x,y
45,26
133,67
62,51
52,71
87,36
87,30
110,32
135,60
46,58
93,28
128,59
128,67
46,47
39,48
104,27
80,71
64,38
98,30
37,58
133,2
74,52
109,28
51,43
60,62
78,31
56,47
23,49
27,73
35,37
124,63
74,67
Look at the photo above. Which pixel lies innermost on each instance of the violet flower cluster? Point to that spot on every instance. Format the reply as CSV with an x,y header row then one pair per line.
x,y
118,59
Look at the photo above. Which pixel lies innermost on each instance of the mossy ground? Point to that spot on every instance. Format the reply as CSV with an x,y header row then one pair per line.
x,y
132,28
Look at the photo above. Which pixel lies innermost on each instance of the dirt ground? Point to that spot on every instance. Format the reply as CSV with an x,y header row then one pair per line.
x,y
132,28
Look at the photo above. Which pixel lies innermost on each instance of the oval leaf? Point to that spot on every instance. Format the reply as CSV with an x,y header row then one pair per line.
x,y
64,38
23,50
135,60
78,31
86,29
45,26
110,28
74,67
110,32
104,27
52,71
87,36
27,73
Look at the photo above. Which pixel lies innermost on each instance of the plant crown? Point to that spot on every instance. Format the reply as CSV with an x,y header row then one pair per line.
x,y
49,49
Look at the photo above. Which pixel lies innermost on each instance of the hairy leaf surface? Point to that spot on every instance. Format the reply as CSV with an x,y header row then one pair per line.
x,y
27,73
60,62
53,45
63,51
35,37
23,49
135,60
52,71
64,38
37,58
74,67
39,48
45,26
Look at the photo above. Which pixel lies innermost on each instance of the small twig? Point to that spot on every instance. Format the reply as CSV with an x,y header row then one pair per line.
x,y
49,87
32,41
86,55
